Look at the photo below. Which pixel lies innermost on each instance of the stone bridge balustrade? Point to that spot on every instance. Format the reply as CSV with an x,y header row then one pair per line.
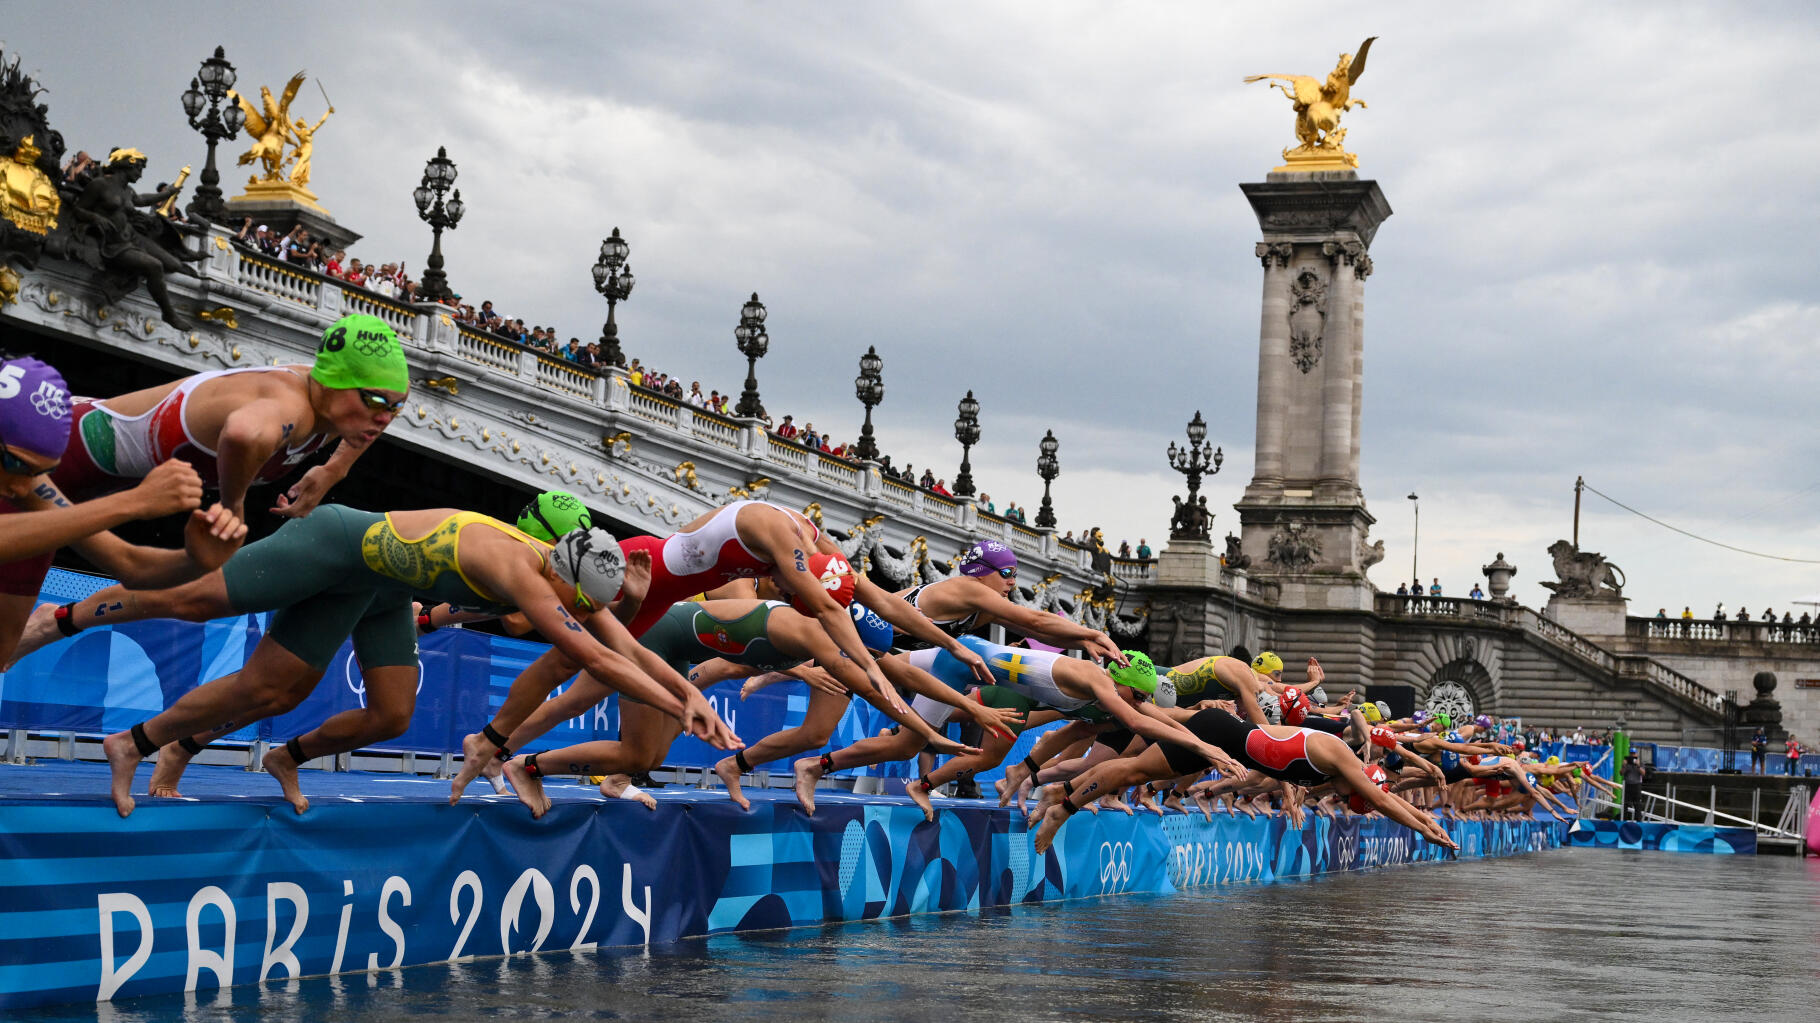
x,y
1637,668
509,411
1695,630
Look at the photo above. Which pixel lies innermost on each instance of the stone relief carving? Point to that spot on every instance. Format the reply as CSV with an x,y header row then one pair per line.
x,y
1275,253
1307,318
1583,573
1370,553
1351,254
1293,546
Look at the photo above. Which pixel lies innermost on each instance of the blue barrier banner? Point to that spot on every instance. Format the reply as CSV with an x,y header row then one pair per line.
x,y
1692,838
203,895
109,678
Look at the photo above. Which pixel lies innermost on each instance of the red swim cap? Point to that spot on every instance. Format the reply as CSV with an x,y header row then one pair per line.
x,y
1295,706
836,577
1384,737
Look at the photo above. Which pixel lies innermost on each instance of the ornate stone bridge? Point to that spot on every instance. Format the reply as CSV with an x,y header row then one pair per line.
x,y
520,416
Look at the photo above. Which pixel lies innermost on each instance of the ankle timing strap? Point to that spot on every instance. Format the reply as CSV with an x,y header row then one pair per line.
x,y
925,783
739,758
491,734
531,767
66,623
142,741
826,762
295,749
1032,765
191,746
1068,806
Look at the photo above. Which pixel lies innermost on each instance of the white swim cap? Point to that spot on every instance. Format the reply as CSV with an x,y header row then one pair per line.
x,y
1273,711
590,560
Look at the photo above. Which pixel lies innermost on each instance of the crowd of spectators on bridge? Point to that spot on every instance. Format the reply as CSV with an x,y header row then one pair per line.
x,y
297,248
1433,589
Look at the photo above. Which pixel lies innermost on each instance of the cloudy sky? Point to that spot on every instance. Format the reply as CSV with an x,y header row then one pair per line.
x,y
1601,261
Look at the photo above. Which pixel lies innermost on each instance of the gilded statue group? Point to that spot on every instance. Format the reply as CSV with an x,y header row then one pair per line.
x,y
271,128
1318,106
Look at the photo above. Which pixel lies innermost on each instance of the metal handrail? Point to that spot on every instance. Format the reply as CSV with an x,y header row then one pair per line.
x,y
1712,811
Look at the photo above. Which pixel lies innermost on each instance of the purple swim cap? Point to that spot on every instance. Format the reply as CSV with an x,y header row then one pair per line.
x,y
34,407
987,557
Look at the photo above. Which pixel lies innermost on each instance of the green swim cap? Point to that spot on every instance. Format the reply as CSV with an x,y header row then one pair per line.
x,y
1141,675
1444,720
553,513
361,351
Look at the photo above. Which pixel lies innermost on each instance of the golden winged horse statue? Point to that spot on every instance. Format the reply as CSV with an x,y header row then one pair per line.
x,y
1318,106
269,126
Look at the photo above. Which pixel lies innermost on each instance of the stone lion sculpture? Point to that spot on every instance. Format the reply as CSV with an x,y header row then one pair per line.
x,y
1583,573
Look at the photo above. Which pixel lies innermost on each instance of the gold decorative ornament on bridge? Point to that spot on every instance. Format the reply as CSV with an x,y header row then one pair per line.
x,y
685,474
449,385
221,314
28,197
1318,106
9,285
165,207
283,148
814,511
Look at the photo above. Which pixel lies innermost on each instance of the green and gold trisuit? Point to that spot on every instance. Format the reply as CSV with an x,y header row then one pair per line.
x,y
341,572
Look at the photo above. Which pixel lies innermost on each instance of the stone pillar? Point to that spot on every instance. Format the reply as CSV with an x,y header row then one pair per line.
x,y
1273,364
1303,518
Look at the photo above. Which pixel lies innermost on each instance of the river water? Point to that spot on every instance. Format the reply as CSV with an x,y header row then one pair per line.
x,y
1572,934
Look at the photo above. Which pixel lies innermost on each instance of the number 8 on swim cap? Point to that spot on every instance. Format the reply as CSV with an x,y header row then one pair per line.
x,y
361,351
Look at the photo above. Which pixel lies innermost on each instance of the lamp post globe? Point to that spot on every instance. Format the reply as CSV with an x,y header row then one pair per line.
x,y
613,279
439,174
1048,467
869,388
967,431
753,343
202,105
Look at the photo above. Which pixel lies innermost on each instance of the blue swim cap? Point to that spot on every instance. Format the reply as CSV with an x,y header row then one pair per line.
x,y
874,632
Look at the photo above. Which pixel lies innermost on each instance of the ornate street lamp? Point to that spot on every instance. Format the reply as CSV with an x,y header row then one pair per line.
x,y
869,388
1198,459
1048,468
613,279
967,431
1415,544
753,344
208,89
438,177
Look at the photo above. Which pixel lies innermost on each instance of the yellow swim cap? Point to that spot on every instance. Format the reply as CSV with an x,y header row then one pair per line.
x,y
1267,663
1370,710
1554,760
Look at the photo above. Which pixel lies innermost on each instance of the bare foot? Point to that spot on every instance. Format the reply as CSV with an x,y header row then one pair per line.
x,y
529,789
1053,819
1113,802
1173,801
122,760
1046,797
728,772
167,772
808,771
283,769
40,631
476,756
618,786
1011,784
1147,800
920,796
495,774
